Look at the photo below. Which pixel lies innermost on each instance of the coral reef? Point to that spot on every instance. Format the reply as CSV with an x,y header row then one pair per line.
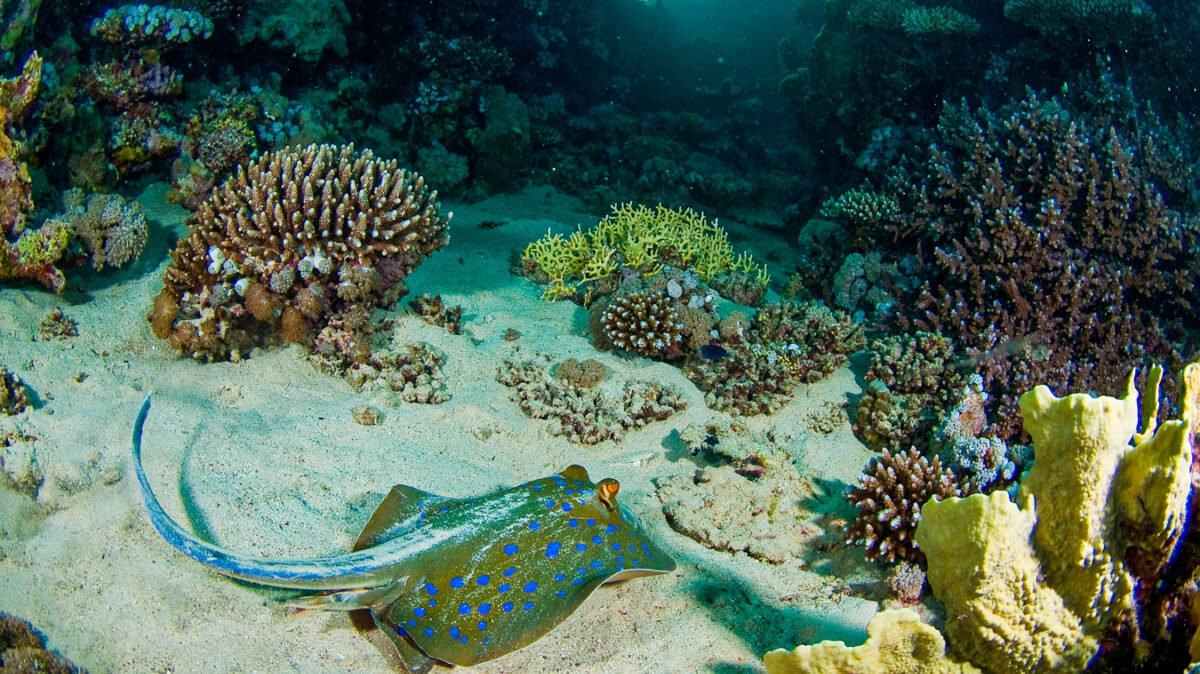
x,y
888,498
24,253
14,397
23,649
433,311
586,416
786,344
912,380
1099,516
584,374
1101,22
57,325
747,496
897,641
141,24
643,323
112,230
413,371
291,242
1043,245
958,439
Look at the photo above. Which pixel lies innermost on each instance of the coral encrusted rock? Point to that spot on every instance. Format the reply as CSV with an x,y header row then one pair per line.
x,y
291,241
587,416
746,497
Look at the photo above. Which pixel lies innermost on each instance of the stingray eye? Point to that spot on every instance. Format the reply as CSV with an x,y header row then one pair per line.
x,y
606,491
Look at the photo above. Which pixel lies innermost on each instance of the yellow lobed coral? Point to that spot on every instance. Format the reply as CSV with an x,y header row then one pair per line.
x,y
1035,587
982,566
897,642
639,238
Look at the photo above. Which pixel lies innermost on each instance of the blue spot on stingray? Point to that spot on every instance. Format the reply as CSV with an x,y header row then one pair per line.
x,y
559,576
464,609
552,549
486,639
612,528
617,546
456,582
596,540
485,608
432,603
560,593
510,571
620,568
577,581
566,507
482,625
530,586
537,486
412,623
401,631
632,549
418,611
483,580
591,522
431,588
535,525
503,588
576,481
621,560
443,509
454,632
573,522
560,483
528,605
582,571
428,631
634,534
568,491
510,549
507,606
550,504
580,547
597,564
464,639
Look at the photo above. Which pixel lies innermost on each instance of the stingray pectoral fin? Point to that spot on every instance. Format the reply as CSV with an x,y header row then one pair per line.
x,y
575,472
400,512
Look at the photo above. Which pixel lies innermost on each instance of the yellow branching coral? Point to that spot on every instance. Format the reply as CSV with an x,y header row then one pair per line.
x,y
639,238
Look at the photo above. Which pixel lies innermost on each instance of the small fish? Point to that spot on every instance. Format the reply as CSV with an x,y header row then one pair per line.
x,y
462,581
713,352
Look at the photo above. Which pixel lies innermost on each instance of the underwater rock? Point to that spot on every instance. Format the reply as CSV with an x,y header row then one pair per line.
x,y
750,503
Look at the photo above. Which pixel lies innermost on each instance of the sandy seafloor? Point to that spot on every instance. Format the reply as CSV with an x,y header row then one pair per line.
x,y
263,456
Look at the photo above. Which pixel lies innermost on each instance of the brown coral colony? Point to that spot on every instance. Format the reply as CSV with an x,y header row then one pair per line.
x,y
291,241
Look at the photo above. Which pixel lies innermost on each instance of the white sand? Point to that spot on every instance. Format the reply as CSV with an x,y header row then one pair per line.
x,y
266,457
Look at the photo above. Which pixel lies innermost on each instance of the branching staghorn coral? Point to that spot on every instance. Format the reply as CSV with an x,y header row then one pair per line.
x,y
1043,245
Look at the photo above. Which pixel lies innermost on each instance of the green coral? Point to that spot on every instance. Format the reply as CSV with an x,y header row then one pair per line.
x,y
911,19
1099,22
637,238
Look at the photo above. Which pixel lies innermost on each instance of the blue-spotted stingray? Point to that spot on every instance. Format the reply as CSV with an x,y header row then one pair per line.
x,y
462,581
